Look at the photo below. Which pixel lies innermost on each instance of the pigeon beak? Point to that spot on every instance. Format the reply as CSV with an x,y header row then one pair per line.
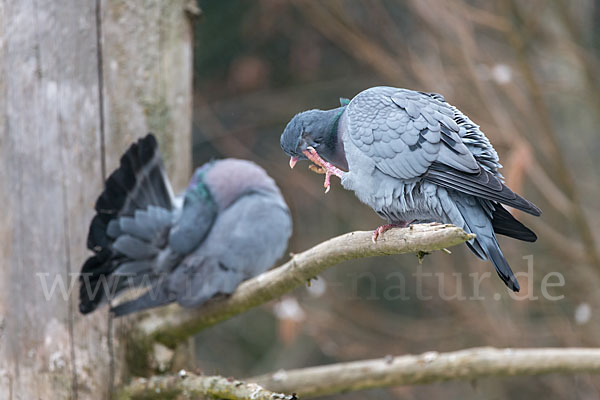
x,y
293,161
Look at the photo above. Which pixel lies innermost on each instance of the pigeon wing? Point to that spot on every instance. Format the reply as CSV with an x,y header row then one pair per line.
x,y
413,135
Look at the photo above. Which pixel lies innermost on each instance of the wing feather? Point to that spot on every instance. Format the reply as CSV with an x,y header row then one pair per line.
x,y
484,185
414,135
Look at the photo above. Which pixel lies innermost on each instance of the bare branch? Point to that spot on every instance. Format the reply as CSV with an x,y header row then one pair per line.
x,y
430,367
172,324
550,136
194,387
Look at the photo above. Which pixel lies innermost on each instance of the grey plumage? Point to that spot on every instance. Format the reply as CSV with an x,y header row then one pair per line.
x,y
411,156
231,223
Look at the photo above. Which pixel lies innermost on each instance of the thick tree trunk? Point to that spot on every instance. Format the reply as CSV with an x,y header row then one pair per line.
x,y
79,80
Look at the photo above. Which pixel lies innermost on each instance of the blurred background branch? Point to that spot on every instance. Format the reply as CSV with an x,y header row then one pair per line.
x,y
430,367
517,39
427,368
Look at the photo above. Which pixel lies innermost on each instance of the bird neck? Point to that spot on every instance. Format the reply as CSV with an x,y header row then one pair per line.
x,y
336,122
330,125
197,188
333,149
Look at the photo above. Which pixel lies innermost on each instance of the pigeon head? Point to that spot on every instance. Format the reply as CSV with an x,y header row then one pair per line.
x,y
315,129
230,178
307,129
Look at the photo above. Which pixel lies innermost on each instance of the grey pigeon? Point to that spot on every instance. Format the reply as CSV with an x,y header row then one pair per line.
x,y
412,157
230,224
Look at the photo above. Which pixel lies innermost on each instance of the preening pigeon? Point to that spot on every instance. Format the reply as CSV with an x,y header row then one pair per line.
x,y
230,224
413,157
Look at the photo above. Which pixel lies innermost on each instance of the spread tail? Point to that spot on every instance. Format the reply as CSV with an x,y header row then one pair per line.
x,y
140,183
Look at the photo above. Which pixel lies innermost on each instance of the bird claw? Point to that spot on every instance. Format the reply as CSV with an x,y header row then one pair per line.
x,y
327,183
322,171
375,235
322,166
379,231
383,228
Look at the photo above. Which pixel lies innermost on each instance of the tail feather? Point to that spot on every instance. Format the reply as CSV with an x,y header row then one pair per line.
x,y
152,298
145,224
90,289
476,248
139,183
134,248
505,224
502,268
476,220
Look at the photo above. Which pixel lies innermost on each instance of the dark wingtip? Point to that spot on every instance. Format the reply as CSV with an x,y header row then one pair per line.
x,y
483,184
530,208
521,203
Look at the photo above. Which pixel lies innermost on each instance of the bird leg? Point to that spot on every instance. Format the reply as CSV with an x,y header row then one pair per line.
x,y
329,168
379,231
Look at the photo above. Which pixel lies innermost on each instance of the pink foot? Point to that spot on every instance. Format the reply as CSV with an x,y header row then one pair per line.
x,y
329,168
379,231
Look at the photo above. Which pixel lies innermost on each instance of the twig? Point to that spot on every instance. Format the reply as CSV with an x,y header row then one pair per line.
x,y
173,324
328,22
563,173
430,367
190,386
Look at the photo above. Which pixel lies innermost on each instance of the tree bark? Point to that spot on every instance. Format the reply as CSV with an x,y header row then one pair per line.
x,y
79,80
